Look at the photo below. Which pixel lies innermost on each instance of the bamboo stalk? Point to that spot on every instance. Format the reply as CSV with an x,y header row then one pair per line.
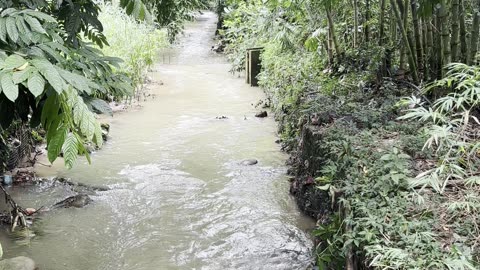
x,y
443,19
382,22
367,19
437,47
331,27
474,38
355,23
411,58
455,30
417,35
463,34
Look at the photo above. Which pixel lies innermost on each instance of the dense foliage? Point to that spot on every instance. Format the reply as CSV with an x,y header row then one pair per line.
x,y
167,13
400,174
56,64
136,42
47,71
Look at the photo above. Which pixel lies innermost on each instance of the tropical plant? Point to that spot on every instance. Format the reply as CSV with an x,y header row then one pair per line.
x,y
453,125
45,70
136,42
167,13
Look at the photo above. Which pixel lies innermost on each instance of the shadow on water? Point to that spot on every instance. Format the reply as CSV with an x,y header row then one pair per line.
x,y
180,198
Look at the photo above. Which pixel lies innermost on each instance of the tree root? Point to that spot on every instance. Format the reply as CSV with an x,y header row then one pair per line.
x,y
17,214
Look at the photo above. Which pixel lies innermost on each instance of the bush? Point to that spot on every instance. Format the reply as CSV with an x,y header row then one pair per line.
x,y
137,43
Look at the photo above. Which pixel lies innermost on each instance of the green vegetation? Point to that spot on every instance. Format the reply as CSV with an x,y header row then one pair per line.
x,y
60,60
137,43
378,105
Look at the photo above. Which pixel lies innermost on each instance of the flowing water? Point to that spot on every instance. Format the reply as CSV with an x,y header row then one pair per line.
x,y
180,198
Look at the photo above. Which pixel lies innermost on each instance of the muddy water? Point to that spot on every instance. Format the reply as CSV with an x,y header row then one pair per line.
x,y
180,198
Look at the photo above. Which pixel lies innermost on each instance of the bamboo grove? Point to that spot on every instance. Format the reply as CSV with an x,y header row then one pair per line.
x,y
422,35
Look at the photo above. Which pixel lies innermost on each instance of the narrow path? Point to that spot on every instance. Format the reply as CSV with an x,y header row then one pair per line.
x,y
181,199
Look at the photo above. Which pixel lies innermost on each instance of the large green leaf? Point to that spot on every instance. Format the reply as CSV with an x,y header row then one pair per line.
x,y
55,144
35,25
50,73
14,61
9,88
97,138
3,30
100,106
12,29
70,150
23,75
50,111
36,84
84,118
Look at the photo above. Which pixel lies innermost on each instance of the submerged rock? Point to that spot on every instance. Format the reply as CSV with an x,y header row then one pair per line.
x,y
17,263
262,114
77,201
249,162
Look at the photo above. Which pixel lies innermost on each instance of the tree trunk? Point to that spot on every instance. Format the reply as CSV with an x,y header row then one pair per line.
x,y
463,34
329,51
411,58
474,37
455,30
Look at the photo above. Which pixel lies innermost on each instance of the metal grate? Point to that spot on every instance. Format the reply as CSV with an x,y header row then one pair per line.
x,y
16,147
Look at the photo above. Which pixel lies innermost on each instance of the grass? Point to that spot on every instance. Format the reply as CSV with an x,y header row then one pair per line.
x,y
137,43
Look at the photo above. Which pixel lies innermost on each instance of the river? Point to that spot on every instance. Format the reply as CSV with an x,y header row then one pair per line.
x,y
179,198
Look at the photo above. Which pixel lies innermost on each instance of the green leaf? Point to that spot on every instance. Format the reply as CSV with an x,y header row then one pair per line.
x,y
40,15
14,61
101,106
50,111
36,84
97,138
3,29
9,88
79,82
86,120
55,144
35,25
12,29
70,150
22,75
24,32
50,73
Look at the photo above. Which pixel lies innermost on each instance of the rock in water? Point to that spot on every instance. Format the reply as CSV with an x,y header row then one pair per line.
x,y
249,162
17,263
262,114
77,201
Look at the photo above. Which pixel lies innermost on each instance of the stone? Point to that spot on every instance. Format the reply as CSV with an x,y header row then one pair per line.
x,y
105,126
76,201
262,114
17,263
249,162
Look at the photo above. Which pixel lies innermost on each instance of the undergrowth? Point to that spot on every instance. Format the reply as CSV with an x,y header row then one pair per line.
x,y
136,42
